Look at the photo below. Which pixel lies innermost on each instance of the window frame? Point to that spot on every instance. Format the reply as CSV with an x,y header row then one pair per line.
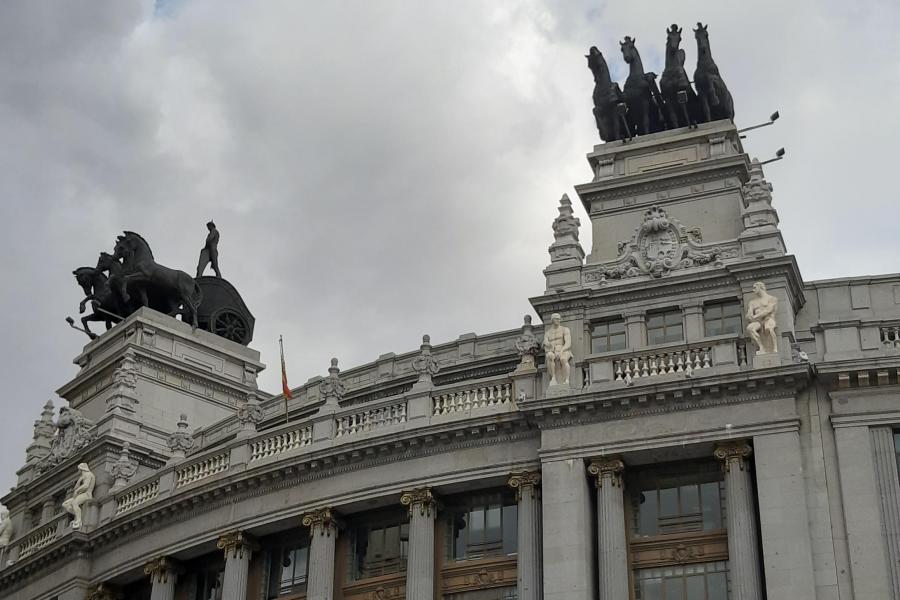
x,y
665,313
607,336
504,546
275,548
721,318
379,521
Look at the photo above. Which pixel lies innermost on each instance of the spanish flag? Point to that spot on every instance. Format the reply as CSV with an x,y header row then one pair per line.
x,y
285,388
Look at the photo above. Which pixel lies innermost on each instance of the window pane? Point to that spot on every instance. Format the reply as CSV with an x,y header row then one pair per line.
x,y
510,529
731,309
492,531
713,327
301,557
476,526
690,499
717,586
712,511
672,318
732,325
695,587
651,589
616,326
617,342
674,333
648,513
392,541
675,589
655,320
459,535
668,502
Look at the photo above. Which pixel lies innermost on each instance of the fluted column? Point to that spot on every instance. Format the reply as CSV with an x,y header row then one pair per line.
x,y
238,546
323,530
743,552
612,545
530,566
889,488
163,573
420,559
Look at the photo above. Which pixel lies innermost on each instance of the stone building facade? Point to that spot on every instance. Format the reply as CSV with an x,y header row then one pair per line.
x,y
675,462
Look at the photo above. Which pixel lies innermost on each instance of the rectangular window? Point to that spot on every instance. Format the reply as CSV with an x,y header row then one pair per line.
x,y
663,327
704,581
722,317
608,336
678,504
380,548
484,526
288,569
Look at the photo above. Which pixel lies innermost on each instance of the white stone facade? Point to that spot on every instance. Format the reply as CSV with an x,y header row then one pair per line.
x,y
675,455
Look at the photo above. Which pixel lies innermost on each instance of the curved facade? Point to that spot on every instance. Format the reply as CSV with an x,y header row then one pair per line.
x,y
673,460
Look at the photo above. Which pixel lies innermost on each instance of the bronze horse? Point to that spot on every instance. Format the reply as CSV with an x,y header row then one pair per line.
x,y
715,99
98,292
674,81
174,290
607,99
640,89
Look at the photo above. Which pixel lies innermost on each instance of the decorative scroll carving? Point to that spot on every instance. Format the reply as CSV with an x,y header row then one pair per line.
x,y
425,364
467,576
181,441
123,469
660,245
332,388
421,499
733,453
73,433
236,543
607,469
250,412
525,480
322,519
527,345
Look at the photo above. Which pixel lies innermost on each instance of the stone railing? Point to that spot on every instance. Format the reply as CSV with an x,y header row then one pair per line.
x,y
279,443
137,496
653,364
41,537
464,400
201,469
890,337
362,421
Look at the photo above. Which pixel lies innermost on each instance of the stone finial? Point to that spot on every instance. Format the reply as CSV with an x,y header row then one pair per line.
x,y
250,413
733,454
524,482
321,520
123,469
425,364
757,189
566,224
332,388
44,430
181,441
236,543
420,499
6,527
758,214
81,493
566,253
124,395
527,345
74,432
608,469
160,569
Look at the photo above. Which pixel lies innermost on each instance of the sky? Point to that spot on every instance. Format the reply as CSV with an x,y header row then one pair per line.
x,y
381,170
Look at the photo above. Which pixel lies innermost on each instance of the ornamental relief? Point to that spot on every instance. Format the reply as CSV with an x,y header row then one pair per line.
x,y
660,245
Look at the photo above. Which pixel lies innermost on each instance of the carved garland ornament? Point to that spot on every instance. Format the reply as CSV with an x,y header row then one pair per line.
x,y
607,469
421,498
660,245
526,480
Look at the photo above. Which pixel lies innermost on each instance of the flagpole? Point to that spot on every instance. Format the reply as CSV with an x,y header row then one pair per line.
x,y
285,388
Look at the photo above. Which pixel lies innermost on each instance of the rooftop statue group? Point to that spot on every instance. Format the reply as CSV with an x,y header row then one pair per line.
x,y
642,106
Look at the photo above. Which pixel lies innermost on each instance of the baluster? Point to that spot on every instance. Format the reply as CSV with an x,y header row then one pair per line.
x,y
618,372
468,401
679,366
627,373
671,368
707,361
653,369
645,371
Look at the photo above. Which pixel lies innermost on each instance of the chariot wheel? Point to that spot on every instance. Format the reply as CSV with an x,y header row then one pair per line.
x,y
231,325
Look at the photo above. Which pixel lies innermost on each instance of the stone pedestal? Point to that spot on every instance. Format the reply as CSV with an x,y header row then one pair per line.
x,y
764,361
420,562
163,574
530,566
323,531
238,547
743,554
612,545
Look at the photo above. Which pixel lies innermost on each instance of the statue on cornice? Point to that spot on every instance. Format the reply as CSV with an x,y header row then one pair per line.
x,y
527,346
83,491
73,433
557,345
6,528
761,314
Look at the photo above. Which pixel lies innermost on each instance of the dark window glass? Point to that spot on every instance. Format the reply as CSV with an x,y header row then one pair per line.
x,y
705,581
209,583
722,317
288,569
608,336
678,504
663,327
380,548
484,526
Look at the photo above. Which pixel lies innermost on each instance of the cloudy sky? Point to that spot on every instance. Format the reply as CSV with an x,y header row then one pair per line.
x,y
380,170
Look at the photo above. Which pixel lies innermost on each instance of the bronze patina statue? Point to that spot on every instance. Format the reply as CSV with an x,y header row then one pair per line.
x,y
715,99
678,95
105,303
210,252
643,112
609,107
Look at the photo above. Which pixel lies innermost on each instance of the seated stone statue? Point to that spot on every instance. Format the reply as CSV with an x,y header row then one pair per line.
x,y
557,345
5,527
761,314
83,491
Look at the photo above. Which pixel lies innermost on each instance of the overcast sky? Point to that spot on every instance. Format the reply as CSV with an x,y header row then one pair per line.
x,y
380,170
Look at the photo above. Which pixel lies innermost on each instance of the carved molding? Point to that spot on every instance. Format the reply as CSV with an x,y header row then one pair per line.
x,y
679,549
236,544
733,453
421,499
383,587
607,469
525,481
478,575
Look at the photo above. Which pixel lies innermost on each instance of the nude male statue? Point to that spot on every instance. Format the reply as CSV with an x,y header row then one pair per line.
x,y
5,527
557,342
84,491
210,252
761,314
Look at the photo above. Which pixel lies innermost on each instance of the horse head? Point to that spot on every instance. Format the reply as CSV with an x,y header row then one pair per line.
x,y
673,38
702,36
85,278
629,52
597,65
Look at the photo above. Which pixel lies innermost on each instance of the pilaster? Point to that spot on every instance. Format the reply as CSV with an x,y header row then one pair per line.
x,y
636,329
743,556
323,530
889,488
530,566
238,547
420,562
612,545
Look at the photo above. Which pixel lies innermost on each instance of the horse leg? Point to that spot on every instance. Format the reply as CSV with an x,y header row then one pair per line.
x,y
645,118
704,107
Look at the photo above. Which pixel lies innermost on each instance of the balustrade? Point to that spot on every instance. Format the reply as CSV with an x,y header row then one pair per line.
x,y
201,469
662,363
41,538
136,497
495,394
369,420
890,337
281,443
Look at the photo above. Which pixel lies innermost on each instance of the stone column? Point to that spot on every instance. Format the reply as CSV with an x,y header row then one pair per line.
x,y
889,486
323,529
238,547
420,560
529,567
612,545
163,573
743,553
568,548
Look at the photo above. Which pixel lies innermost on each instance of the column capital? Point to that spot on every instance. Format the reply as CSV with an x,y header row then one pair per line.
x,y
161,568
524,480
322,519
236,543
421,498
609,468
733,453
